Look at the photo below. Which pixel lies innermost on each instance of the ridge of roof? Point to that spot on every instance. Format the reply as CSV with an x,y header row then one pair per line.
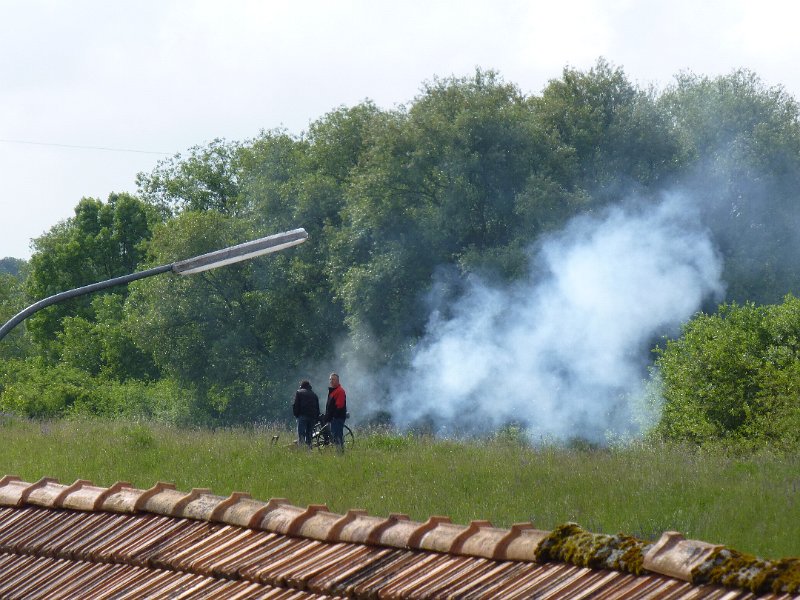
x,y
673,555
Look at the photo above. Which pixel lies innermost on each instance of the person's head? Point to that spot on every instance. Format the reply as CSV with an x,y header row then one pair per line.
x,y
333,380
305,384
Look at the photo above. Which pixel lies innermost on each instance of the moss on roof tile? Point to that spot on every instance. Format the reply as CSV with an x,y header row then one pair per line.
x,y
571,544
744,571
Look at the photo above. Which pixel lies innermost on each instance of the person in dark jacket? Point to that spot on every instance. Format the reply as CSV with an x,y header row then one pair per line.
x,y
306,409
336,410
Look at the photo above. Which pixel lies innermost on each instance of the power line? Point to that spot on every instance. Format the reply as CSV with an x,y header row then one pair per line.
x,y
104,148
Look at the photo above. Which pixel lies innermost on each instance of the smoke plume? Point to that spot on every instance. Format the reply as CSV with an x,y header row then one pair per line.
x,y
564,353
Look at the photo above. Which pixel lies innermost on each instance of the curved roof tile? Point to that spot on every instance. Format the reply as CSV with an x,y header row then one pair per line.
x,y
74,540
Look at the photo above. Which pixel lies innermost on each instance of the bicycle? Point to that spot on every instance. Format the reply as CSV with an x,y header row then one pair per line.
x,y
322,436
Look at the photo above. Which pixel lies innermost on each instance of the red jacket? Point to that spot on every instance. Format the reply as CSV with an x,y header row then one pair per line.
x,y
336,406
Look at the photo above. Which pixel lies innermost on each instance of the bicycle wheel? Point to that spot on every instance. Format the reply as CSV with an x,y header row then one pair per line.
x,y
348,437
324,437
321,436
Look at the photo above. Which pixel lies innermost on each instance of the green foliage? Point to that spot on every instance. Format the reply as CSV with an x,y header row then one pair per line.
x,y
80,345
204,180
35,389
105,345
744,140
734,374
12,266
617,134
12,301
102,241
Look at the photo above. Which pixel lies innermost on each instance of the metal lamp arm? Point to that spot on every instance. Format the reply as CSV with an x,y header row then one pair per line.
x,y
87,289
198,264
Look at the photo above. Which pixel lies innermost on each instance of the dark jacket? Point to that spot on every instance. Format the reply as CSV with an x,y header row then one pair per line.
x,y
306,403
336,406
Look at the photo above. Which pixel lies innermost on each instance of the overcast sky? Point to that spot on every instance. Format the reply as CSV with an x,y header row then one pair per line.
x,y
94,91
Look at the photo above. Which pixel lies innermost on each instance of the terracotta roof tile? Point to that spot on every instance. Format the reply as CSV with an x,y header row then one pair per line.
x,y
278,516
676,556
82,540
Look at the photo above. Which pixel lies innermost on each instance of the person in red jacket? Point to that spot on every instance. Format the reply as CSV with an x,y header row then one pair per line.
x,y
336,410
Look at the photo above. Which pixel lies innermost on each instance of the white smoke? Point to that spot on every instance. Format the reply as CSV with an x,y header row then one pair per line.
x,y
565,352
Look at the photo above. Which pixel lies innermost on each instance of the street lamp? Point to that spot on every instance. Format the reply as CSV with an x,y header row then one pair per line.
x,y
212,260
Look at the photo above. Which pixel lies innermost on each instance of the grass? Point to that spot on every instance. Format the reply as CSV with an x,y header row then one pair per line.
x,y
747,502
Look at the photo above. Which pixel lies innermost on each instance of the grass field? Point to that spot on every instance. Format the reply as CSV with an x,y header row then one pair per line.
x,y
748,502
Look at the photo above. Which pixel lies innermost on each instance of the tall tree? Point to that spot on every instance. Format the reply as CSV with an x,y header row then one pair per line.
x,y
456,180
102,241
206,179
744,138
232,334
12,266
622,141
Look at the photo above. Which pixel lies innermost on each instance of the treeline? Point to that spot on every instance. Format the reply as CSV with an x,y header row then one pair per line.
x,y
465,178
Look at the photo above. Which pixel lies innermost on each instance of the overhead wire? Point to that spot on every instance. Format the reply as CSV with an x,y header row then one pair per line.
x,y
82,147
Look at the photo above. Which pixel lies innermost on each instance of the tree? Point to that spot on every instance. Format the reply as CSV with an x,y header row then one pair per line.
x,y
13,266
744,139
232,335
621,140
12,301
102,241
477,146
288,183
104,347
205,180
444,183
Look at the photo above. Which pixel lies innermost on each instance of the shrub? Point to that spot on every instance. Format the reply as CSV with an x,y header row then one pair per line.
x,y
734,375
35,389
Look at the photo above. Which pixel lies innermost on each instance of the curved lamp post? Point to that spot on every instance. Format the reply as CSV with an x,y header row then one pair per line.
x,y
212,260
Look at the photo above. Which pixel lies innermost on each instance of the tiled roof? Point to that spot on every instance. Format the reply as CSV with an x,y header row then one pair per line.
x,y
86,541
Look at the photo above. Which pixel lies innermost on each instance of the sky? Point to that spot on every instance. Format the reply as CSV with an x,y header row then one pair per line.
x,y
93,92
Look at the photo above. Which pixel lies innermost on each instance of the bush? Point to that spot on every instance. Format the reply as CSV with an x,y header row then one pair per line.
x,y
35,389
734,375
